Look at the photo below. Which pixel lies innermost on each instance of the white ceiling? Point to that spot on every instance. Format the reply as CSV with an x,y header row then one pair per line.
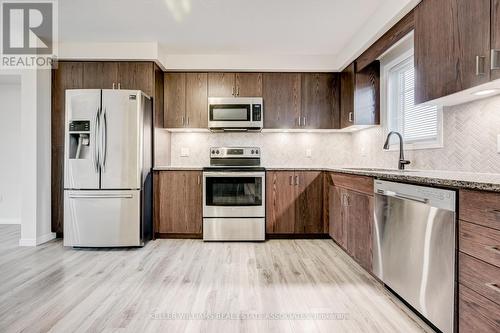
x,y
216,27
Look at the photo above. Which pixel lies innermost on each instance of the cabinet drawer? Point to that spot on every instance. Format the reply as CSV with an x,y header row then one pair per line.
x,y
476,313
480,242
480,207
479,276
361,184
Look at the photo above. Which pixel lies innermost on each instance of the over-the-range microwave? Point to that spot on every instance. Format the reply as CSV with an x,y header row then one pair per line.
x,y
235,113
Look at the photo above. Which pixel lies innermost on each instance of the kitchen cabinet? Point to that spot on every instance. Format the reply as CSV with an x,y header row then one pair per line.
x,y
320,100
360,95
294,202
234,84
94,75
495,40
186,100
282,100
351,209
178,203
452,46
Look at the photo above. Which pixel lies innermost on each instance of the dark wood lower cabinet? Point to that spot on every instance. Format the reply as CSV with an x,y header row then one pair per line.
x,y
178,203
477,314
294,203
337,228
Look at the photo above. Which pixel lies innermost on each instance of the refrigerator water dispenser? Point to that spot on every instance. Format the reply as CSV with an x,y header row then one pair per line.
x,y
79,140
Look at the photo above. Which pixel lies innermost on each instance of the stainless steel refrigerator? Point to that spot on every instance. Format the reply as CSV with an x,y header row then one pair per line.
x,y
107,168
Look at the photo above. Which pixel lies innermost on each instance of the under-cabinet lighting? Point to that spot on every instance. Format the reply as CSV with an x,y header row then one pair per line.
x,y
485,92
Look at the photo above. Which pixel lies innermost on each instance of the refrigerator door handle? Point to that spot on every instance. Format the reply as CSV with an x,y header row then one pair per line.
x,y
104,139
96,140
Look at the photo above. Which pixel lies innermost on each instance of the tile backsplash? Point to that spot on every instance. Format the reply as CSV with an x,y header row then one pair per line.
x,y
469,144
278,149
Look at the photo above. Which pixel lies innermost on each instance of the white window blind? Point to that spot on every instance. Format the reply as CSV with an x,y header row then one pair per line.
x,y
417,124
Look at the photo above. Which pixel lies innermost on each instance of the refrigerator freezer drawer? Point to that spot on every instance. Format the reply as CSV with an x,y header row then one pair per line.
x,y
102,218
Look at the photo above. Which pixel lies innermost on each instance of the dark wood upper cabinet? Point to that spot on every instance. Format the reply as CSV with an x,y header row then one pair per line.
x,y
178,202
280,202
248,84
282,100
159,97
452,47
100,75
186,100
347,87
320,101
197,100
175,100
221,84
309,203
367,95
136,76
495,39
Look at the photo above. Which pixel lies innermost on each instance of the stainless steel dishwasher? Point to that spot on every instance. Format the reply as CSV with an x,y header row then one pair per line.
x,y
414,247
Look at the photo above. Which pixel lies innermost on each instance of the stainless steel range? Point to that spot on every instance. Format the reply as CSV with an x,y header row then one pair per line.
x,y
234,195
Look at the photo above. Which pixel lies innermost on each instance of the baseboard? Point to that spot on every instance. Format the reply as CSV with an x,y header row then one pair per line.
x,y
160,235
10,221
37,241
297,236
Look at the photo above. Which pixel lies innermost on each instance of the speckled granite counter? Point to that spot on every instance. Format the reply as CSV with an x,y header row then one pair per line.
x,y
469,180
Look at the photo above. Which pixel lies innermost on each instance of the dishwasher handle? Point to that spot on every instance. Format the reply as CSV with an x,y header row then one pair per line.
x,y
403,196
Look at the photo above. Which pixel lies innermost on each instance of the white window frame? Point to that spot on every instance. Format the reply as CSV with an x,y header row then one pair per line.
x,y
386,104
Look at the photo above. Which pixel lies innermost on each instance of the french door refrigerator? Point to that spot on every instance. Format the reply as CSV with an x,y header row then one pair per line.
x,y
107,169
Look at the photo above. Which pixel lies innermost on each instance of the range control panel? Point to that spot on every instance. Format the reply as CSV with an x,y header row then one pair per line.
x,y
234,152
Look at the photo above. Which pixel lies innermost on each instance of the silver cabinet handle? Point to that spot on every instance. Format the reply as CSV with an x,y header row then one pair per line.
x,y
300,119
351,114
119,85
291,180
480,61
495,59
188,121
233,92
237,91
297,181
103,196
494,248
182,119
305,122
199,180
114,85
493,286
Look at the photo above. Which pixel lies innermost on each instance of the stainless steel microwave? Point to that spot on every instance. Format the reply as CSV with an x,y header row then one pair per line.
x,y
235,114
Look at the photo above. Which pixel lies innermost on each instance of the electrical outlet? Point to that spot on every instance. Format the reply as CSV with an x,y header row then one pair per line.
x,y
309,152
184,152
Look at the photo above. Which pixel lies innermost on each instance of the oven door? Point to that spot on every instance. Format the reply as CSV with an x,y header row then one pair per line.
x,y
234,194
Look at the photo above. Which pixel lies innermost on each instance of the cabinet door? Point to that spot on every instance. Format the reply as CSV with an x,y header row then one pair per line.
x,y
309,203
320,101
196,100
193,202
136,76
337,228
359,217
221,84
367,95
495,38
450,37
158,98
100,75
175,100
280,202
249,84
282,100
347,83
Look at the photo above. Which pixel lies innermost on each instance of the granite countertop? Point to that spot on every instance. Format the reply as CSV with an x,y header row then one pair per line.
x,y
453,179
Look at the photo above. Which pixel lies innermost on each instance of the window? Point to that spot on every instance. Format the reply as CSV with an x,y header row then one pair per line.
x,y
420,125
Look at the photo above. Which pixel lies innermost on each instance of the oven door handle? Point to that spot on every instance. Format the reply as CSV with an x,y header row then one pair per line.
x,y
234,174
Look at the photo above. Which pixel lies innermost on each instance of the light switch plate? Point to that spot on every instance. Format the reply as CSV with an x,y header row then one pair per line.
x,y
184,152
498,143
309,152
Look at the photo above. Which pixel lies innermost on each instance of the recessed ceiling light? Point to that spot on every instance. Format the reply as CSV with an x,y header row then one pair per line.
x,y
485,92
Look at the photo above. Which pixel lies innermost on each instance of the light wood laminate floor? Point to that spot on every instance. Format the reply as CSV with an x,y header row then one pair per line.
x,y
286,285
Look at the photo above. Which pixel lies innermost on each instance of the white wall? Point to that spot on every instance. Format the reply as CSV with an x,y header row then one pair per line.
x,y
10,149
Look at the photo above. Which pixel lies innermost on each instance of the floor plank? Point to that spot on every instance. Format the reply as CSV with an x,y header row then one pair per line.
x,y
276,286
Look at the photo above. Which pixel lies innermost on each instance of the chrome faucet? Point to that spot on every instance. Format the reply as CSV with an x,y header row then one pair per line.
x,y
402,161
